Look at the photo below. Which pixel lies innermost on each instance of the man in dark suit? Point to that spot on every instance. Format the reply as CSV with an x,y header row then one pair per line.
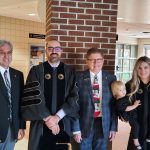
x,y
97,123
11,85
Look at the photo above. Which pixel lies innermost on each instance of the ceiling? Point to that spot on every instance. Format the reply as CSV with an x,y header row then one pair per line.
x,y
22,8
133,15
134,18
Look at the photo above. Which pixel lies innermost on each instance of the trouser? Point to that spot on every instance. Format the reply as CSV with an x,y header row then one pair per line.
x,y
10,141
134,128
96,139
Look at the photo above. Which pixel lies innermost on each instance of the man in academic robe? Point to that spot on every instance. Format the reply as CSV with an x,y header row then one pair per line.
x,y
50,101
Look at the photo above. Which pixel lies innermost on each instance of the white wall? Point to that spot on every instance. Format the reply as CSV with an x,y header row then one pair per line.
x,y
139,42
127,40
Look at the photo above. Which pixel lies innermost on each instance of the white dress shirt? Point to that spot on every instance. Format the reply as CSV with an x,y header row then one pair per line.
x,y
2,70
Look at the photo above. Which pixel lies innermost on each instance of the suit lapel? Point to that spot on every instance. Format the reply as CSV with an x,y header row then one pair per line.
x,y
87,81
104,83
3,87
13,82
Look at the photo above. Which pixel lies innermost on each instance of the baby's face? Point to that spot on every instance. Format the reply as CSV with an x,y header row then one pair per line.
x,y
121,91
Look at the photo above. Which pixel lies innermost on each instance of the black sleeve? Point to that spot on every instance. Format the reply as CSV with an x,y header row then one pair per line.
x,y
122,104
33,102
71,106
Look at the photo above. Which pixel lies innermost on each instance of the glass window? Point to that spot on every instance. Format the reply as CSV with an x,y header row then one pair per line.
x,y
133,51
120,50
126,51
120,66
132,63
126,56
126,66
147,50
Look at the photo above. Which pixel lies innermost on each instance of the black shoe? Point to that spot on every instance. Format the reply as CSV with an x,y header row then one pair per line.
x,y
138,147
148,140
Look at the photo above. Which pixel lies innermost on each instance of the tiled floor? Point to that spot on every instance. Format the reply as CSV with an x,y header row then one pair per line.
x,y
21,145
119,143
121,140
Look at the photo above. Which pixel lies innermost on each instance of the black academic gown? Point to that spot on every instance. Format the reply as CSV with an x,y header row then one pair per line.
x,y
36,106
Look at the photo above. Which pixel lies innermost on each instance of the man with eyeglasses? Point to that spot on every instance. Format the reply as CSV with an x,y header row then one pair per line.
x,y
50,101
11,87
97,123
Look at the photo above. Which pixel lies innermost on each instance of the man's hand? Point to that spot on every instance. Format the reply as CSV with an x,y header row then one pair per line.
x,y
51,121
112,135
21,134
77,137
55,129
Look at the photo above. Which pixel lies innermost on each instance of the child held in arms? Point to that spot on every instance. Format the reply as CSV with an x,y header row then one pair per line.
x,y
126,109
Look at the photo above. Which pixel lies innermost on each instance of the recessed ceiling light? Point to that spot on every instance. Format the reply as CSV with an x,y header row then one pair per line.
x,y
119,18
32,14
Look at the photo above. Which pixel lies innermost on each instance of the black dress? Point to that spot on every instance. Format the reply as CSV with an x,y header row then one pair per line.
x,y
143,115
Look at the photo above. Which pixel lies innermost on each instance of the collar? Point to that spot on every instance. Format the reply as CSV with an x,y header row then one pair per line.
x,y
98,74
2,70
54,64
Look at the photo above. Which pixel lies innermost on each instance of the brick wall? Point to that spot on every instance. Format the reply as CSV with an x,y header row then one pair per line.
x,y
80,25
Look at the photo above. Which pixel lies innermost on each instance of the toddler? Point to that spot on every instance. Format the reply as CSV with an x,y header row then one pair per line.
x,y
126,109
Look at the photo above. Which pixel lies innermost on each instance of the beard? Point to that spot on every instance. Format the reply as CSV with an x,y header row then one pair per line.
x,y
54,58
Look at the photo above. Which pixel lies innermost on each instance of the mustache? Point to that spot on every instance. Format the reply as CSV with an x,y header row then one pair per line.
x,y
53,54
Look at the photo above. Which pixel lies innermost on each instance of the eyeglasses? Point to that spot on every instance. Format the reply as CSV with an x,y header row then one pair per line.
x,y
3,53
57,49
96,60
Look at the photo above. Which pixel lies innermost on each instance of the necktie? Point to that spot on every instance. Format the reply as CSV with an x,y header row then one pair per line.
x,y
7,83
96,97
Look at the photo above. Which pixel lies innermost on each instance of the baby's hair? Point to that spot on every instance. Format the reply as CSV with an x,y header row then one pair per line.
x,y
115,85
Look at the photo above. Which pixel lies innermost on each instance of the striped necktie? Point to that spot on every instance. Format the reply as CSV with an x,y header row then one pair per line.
x,y
96,97
7,83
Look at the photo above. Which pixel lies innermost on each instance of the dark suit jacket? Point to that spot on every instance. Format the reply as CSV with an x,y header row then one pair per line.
x,y
17,83
109,119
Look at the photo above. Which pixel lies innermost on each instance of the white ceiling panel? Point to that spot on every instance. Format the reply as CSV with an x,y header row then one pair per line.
x,y
135,14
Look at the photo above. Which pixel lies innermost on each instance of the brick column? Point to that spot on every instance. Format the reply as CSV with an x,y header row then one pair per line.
x,y
80,25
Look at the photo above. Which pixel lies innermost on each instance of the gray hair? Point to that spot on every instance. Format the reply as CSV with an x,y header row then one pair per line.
x,y
3,42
